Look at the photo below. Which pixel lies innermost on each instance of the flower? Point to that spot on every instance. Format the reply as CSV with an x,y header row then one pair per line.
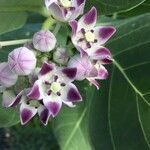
x,y
55,86
60,56
89,39
22,61
7,77
44,41
65,10
86,69
28,107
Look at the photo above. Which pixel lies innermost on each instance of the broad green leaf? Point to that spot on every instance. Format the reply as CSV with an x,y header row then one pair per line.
x,y
11,21
20,2
117,116
8,116
121,115
141,9
113,6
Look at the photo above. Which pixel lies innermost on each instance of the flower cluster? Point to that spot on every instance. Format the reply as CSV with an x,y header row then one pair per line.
x,y
48,69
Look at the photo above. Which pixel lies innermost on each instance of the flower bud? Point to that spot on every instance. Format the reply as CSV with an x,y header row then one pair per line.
x,y
7,77
29,45
44,41
60,56
22,61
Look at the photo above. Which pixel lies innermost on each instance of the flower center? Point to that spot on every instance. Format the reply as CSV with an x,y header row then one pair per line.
x,y
34,103
55,87
66,3
89,36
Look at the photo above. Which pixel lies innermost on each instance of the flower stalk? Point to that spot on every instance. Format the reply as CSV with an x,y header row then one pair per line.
x,y
14,42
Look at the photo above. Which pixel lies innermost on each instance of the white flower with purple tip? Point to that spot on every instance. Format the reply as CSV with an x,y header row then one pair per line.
x,y
89,39
55,86
7,77
65,10
22,61
88,70
28,107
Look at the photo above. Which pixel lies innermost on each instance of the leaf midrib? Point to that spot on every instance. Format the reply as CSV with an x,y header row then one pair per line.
x,y
137,92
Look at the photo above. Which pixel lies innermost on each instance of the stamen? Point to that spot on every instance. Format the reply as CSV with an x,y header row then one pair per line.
x,y
92,31
49,92
58,93
83,30
47,83
55,78
80,40
88,45
63,84
95,41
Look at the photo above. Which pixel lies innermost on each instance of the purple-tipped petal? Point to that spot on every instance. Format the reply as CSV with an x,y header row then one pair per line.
x,y
83,65
104,33
49,2
57,12
93,72
53,104
10,100
7,77
35,92
76,12
43,114
70,73
102,54
26,113
94,82
70,93
88,21
102,73
74,26
79,2
46,68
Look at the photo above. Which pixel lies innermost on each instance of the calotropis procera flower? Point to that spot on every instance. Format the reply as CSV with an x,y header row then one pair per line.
x,y
7,77
65,10
44,41
28,107
86,69
22,61
55,86
89,39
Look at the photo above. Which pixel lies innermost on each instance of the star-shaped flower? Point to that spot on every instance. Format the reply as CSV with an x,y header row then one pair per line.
x,y
89,39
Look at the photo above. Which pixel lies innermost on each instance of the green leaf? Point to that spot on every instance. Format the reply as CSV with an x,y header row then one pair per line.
x,y
8,116
113,6
141,9
11,21
116,116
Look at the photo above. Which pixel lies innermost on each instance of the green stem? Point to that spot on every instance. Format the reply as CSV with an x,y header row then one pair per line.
x,y
48,23
14,42
57,28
